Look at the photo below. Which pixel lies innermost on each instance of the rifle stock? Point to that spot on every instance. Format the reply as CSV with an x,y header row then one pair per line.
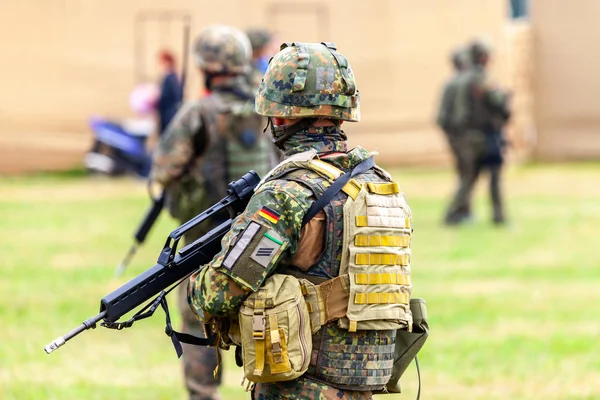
x,y
173,265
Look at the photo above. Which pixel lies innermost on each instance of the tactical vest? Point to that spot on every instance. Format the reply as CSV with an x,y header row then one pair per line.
x,y
235,144
358,292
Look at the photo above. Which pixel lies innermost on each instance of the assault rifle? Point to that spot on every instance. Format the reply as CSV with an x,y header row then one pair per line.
x,y
173,266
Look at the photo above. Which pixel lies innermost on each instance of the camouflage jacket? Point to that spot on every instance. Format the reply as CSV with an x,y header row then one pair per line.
x,y
278,207
446,107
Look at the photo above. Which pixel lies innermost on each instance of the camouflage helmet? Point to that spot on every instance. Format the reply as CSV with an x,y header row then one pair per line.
x,y
221,49
307,80
259,38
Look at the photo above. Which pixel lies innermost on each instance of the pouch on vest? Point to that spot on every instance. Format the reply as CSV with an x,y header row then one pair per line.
x,y
275,331
408,344
246,146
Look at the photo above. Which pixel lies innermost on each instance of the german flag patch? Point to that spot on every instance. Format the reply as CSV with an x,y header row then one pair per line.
x,y
269,215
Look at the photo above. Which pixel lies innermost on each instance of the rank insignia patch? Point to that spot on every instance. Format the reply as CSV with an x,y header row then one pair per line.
x,y
267,248
269,215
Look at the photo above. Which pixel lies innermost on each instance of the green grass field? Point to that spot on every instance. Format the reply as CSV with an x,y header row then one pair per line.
x,y
514,312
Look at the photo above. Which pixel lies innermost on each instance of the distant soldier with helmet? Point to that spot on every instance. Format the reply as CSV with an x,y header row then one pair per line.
x,y
210,142
480,111
313,280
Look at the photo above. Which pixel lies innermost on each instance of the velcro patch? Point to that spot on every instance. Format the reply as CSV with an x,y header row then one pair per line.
x,y
267,248
244,241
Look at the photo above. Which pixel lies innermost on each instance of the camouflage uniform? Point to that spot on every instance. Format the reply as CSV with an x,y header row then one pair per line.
x,y
453,134
311,81
210,142
480,112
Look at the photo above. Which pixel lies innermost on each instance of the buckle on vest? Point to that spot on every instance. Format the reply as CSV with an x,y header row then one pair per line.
x,y
259,325
277,352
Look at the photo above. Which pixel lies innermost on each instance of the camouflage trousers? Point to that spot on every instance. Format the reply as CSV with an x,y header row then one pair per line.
x,y
470,147
305,389
199,362
461,165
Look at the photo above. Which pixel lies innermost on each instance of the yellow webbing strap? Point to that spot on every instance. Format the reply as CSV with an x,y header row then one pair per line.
x,y
352,188
382,279
381,298
386,241
325,169
383,188
260,357
276,348
381,259
352,326
258,328
363,220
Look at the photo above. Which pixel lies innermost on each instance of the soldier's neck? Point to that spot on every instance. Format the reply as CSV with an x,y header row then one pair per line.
x,y
322,139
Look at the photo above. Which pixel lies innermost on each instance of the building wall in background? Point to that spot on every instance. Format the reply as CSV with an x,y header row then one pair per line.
x,y
65,60
567,79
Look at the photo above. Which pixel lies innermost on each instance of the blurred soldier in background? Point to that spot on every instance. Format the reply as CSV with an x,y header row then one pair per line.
x,y
460,63
480,112
209,143
170,91
262,51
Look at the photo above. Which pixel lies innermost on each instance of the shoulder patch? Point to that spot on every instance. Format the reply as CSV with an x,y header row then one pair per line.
x,y
267,248
241,245
269,214
252,257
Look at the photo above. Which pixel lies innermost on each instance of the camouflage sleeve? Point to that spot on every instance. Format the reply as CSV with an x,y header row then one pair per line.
x,y
176,146
264,235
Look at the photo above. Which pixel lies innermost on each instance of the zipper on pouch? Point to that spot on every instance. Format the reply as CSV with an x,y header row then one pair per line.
x,y
303,345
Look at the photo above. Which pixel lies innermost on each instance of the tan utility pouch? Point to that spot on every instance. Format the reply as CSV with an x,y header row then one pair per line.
x,y
275,331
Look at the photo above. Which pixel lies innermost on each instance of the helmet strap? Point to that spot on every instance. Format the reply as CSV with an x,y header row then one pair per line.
x,y
281,134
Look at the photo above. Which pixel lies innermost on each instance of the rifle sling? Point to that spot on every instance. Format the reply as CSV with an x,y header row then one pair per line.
x,y
178,337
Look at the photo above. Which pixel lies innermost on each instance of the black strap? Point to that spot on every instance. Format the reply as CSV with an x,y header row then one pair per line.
x,y
178,337
335,188
418,376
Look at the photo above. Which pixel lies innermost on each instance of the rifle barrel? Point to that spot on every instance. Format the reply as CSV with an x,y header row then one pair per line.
x,y
87,324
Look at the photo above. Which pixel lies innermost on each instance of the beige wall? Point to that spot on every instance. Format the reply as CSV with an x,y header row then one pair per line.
x,y
567,84
68,59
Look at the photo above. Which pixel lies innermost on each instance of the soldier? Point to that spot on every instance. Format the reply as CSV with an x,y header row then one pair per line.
x,y
481,110
300,228
209,143
460,64
260,39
